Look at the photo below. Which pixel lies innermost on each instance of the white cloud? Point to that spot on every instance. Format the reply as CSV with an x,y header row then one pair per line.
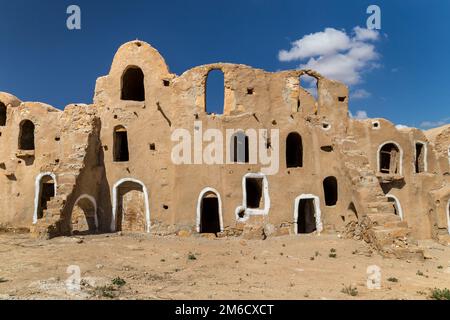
x,y
434,124
360,115
360,94
328,42
362,34
336,54
401,126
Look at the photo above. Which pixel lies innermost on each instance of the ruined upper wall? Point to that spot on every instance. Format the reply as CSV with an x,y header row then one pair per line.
x,y
246,89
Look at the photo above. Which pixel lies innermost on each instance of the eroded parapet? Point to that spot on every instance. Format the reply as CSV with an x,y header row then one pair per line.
x,y
246,89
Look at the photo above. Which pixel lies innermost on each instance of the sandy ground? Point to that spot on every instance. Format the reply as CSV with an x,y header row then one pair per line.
x,y
290,267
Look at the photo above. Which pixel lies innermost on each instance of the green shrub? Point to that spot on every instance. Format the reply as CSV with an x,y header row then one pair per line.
x,y
440,294
118,282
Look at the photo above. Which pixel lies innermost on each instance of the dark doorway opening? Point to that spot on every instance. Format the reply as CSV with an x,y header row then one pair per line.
x,y
47,192
420,157
210,216
330,190
306,216
294,150
133,85
253,188
26,135
2,114
121,145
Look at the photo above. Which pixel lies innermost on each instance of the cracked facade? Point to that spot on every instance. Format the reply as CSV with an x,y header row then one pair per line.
x,y
107,166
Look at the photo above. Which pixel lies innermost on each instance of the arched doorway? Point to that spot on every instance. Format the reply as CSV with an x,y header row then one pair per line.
x,y
209,211
396,205
131,210
307,214
84,216
44,191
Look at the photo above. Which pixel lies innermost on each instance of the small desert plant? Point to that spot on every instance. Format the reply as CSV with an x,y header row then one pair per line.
x,y
440,267
192,256
108,291
419,273
440,294
350,290
118,282
332,250
332,255
421,293
3,280
392,279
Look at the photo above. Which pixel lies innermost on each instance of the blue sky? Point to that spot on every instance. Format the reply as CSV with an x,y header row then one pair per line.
x,y
407,82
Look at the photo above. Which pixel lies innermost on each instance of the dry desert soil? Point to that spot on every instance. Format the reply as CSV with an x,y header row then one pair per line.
x,y
133,266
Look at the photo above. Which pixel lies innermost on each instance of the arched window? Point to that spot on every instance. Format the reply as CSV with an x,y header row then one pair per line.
x,y
133,85
330,190
120,151
215,92
239,148
294,150
2,114
26,135
420,162
389,159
